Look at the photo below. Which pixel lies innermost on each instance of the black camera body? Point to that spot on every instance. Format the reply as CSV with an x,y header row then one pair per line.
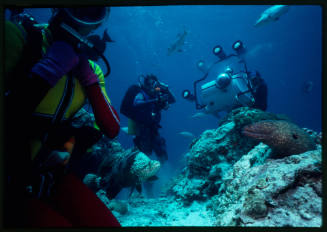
x,y
165,93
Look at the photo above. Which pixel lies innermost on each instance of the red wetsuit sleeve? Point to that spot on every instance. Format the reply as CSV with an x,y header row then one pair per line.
x,y
105,115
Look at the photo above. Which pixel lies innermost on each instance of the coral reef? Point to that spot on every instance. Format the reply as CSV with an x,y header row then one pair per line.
x,y
278,192
246,183
229,179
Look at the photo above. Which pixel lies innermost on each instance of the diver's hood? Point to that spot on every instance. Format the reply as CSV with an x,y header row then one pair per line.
x,y
85,16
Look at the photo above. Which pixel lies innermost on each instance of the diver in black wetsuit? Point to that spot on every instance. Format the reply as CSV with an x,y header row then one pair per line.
x,y
259,90
142,104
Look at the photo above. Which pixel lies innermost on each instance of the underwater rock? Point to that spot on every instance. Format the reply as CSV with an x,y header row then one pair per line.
x,y
164,211
118,206
114,205
189,190
274,192
222,146
83,118
285,138
254,205
245,115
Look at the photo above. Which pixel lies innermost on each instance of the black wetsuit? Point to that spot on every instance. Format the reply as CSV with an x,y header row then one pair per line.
x,y
260,95
147,115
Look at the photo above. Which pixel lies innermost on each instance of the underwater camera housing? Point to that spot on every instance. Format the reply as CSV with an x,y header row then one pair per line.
x,y
227,90
165,93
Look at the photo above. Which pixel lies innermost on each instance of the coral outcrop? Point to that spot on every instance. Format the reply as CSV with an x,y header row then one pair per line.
x,y
276,192
244,180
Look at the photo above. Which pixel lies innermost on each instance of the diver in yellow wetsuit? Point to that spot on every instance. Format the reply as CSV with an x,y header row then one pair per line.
x,y
47,80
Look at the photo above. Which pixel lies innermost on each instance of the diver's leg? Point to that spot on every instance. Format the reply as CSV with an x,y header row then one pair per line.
x,y
80,205
159,147
143,141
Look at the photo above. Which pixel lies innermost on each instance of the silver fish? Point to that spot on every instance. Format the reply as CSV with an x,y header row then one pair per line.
x,y
199,115
186,134
177,46
271,14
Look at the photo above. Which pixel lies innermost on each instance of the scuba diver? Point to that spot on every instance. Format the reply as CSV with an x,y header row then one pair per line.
x,y
229,89
47,80
142,104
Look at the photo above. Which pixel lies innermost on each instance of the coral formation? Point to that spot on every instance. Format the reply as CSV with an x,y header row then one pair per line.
x,y
278,192
229,179
245,183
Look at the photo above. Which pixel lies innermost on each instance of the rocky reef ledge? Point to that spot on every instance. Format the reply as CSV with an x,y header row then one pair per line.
x,y
231,179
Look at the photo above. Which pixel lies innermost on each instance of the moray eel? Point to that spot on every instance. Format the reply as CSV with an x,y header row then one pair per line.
x,y
283,137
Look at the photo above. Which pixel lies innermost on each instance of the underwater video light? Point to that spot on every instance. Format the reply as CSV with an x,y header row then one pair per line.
x,y
186,94
218,51
238,47
200,64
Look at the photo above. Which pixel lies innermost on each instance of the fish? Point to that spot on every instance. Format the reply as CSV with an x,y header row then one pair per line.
x,y
144,170
178,44
283,137
186,134
271,14
307,86
199,115
138,185
124,129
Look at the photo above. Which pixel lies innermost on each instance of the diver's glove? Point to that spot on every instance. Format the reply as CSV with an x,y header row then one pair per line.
x,y
84,73
58,61
162,101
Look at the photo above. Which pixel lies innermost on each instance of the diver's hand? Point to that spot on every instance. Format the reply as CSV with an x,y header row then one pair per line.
x,y
163,99
84,73
58,61
56,159
162,102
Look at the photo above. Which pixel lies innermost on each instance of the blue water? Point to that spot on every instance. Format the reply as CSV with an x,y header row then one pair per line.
x,y
287,53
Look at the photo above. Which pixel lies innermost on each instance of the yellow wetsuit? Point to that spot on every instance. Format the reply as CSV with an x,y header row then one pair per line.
x,y
47,110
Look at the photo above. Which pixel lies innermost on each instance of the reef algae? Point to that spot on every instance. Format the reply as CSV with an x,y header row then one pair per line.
x,y
285,138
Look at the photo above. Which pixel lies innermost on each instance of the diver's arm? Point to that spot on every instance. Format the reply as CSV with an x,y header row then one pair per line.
x,y
139,100
105,115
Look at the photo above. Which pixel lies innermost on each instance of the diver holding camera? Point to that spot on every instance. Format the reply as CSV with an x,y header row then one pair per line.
x,y
228,89
142,105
